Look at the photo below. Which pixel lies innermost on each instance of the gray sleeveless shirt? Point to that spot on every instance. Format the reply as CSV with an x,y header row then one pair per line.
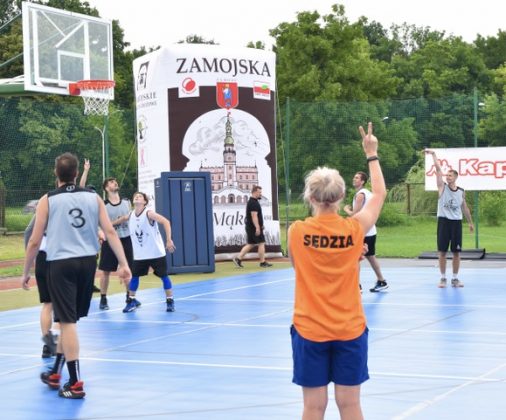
x,y
72,227
117,210
450,202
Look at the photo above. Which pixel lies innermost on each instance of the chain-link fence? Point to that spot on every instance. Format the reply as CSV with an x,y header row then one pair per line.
x,y
326,133
33,131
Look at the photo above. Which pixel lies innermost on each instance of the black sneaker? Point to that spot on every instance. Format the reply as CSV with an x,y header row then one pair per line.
x,y
96,289
359,285
49,341
74,392
379,286
103,303
170,305
265,264
130,306
238,263
52,380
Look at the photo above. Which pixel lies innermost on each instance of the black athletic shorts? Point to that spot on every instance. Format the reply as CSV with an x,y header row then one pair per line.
x,y
108,261
254,239
141,267
371,245
41,277
70,284
449,233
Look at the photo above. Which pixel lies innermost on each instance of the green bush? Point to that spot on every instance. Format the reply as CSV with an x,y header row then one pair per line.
x,y
391,216
493,207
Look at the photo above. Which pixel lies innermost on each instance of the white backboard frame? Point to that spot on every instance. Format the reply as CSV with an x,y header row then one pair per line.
x,y
61,47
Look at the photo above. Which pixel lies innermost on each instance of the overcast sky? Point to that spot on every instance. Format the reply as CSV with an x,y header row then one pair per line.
x,y
234,23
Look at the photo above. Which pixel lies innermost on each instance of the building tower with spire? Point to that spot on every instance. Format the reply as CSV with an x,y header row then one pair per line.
x,y
231,184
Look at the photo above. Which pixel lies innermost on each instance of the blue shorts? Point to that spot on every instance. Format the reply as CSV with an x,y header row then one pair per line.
x,y
317,364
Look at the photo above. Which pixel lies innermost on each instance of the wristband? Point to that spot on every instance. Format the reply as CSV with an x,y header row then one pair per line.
x,y
372,158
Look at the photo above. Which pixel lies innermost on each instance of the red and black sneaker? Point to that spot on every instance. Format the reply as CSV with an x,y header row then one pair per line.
x,y
74,392
52,380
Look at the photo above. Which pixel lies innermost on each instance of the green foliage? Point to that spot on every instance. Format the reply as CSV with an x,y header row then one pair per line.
x,y
391,215
493,207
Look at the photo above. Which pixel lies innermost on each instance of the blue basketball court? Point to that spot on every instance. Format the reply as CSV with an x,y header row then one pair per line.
x,y
225,353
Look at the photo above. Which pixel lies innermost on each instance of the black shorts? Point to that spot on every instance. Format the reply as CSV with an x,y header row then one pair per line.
x,y
108,261
70,284
41,277
449,233
141,267
254,239
371,245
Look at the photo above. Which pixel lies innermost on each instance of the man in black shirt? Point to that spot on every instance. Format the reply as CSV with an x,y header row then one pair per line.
x,y
254,229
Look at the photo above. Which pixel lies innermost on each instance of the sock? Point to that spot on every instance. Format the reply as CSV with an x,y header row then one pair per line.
x,y
74,373
102,295
170,298
455,275
58,363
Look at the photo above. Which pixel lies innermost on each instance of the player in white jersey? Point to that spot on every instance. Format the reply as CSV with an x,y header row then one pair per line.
x,y
70,216
361,196
149,250
450,207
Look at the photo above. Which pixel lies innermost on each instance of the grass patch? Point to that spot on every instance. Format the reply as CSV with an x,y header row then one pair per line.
x,y
12,247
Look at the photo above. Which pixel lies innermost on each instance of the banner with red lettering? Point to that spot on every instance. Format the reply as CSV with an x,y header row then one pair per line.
x,y
478,168
211,108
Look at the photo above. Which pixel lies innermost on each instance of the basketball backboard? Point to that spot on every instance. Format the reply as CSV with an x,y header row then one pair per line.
x,y
61,47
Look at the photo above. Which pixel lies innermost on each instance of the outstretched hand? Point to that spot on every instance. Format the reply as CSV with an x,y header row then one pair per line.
x,y
369,141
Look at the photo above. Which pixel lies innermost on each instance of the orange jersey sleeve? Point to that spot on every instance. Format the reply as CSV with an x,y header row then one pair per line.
x,y
325,251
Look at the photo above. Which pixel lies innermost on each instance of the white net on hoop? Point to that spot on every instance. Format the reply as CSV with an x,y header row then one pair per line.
x,y
96,95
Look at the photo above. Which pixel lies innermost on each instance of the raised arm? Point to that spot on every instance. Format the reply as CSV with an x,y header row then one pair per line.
x,y
152,215
370,212
84,176
439,173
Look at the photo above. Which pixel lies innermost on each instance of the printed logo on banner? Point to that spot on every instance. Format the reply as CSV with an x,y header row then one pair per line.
x,y
189,88
261,90
142,128
227,94
142,76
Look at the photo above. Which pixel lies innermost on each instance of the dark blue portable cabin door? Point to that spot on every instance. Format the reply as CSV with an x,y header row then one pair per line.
x,y
185,199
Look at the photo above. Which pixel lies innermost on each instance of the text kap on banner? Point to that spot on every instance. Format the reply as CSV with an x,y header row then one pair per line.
x,y
478,168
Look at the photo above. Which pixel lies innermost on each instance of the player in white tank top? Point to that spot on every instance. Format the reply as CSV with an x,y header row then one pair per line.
x,y
359,201
148,249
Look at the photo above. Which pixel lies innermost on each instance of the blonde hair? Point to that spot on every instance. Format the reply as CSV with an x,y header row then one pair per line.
x,y
325,186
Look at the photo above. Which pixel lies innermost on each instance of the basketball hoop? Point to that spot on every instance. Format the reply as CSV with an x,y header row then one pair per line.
x,y
96,95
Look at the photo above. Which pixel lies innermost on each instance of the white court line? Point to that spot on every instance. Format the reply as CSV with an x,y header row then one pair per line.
x,y
425,404
469,379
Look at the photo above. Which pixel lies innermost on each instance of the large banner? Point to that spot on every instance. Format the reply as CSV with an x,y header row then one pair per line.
x,y
479,168
209,108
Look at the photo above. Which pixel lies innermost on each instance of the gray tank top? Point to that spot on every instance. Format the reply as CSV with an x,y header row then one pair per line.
x,y
450,202
117,210
72,227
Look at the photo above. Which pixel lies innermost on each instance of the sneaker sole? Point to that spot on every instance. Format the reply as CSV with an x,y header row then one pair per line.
x,y
104,308
52,385
237,264
379,289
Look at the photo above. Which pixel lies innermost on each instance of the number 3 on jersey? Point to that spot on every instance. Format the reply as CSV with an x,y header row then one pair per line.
x,y
77,216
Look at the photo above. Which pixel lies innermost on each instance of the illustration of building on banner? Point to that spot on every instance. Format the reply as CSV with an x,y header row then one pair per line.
x,y
231,183
211,108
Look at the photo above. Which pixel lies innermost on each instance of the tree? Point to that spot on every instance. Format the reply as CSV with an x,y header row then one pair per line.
x,y
327,58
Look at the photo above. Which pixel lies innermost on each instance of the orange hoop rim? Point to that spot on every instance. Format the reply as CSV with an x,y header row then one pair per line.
x,y
95,84
75,88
